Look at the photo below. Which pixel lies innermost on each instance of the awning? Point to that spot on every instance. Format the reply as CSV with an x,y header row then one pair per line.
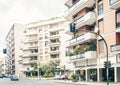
x,y
89,67
76,68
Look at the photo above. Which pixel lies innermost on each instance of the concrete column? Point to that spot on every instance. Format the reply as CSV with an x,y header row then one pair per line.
x,y
86,74
98,74
115,74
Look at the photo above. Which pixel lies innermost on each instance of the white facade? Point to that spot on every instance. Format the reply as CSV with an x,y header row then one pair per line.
x,y
44,41
13,42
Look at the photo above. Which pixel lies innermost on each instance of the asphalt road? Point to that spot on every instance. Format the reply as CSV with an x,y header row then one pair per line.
x,y
7,81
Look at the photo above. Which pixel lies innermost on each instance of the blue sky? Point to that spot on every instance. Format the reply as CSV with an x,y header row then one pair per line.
x,y
25,11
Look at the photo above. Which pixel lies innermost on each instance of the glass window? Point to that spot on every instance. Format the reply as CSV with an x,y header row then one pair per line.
x,y
101,25
99,1
118,18
101,46
46,43
100,9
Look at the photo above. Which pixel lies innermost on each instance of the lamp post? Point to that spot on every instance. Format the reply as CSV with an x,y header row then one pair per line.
x,y
107,67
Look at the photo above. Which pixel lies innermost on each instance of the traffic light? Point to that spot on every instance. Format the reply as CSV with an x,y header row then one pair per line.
x,y
109,64
4,51
105,64
72,27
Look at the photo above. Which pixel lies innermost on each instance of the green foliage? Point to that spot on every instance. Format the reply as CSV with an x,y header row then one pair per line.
x,y
35,67
76,50
90,46
69,53
48,75
48,69
74,76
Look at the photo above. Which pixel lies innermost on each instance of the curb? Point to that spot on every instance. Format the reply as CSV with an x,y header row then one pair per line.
x,y
86,83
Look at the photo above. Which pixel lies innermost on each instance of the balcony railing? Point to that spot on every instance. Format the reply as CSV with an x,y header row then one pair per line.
x,y
115,48
79,56
55,59
87,19
81,39
32,33
33,61
114,4
75,8
54,43
54,36
86,55
55,52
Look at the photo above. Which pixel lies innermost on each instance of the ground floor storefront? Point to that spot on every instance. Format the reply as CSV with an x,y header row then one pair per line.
x,y
99,74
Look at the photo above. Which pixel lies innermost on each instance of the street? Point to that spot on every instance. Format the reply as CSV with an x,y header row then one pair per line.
x,y
7,81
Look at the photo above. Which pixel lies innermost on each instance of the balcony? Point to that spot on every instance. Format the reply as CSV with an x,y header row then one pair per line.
x,y
79,56
33,54
25,55
87,19
33,40
75,8
32,33
54,43
54,36
115,48
33,46
33,61
26,69
25,62
90,54
114,4
53,29
55,59
87,37
55,52
86,55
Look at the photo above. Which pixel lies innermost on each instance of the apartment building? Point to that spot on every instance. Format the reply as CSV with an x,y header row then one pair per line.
x,y
87,50
44,41
2,65
13,43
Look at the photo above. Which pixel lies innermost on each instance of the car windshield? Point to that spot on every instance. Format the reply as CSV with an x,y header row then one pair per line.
x,y
14,76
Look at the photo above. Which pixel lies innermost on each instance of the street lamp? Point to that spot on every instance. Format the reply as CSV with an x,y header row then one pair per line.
x,y
39,72
107,68
96,30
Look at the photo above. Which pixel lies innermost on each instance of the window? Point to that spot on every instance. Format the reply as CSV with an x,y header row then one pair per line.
x,y
46,37
113,1
40,30
46,43
100,9
118,18
99,1
101,26
40,38
101,46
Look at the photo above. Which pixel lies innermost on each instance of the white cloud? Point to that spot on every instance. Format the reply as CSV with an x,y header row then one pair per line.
x,y
24,11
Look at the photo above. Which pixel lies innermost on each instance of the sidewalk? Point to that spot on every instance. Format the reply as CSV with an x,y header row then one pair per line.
x,y
85,83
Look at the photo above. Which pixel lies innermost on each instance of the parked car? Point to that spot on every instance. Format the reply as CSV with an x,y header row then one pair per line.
x,y
63,77
1,76
14,78
57,77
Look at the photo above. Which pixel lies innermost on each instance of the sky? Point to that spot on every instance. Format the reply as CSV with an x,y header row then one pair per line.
x,y
25,11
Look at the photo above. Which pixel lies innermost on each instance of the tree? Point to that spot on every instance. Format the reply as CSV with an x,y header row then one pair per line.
x,y
48,69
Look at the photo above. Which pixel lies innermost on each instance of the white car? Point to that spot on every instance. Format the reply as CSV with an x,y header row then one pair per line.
x,y
57,77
